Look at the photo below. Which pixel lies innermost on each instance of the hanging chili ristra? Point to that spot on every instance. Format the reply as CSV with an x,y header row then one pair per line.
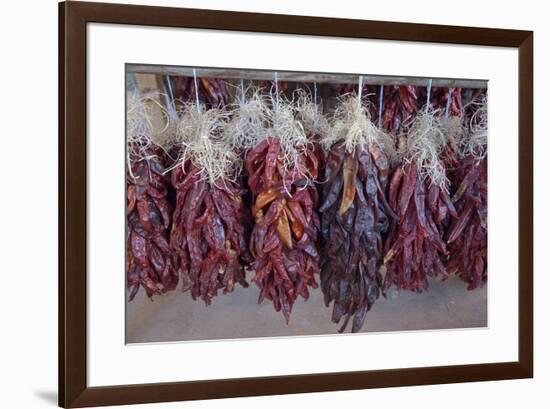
x,y
354,213
207,234
150,263
418,193
467,236
281,168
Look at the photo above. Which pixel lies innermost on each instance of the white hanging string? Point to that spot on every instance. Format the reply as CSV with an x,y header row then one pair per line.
x,y
428,97
276,92
315,104
134,83
171,103
448,105
315,93
242,89
380,99
196,90
360,91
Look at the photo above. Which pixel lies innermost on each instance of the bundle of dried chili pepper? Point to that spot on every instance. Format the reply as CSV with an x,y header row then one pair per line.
x,y
467,236
354,214
281,169
150,263
207,233
418,193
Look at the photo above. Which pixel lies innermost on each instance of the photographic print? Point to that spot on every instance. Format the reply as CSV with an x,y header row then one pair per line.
x,y
274,203
280,204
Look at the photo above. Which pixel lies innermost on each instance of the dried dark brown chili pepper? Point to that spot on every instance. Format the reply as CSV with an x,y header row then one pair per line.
x,y
282,244
353,218
354,213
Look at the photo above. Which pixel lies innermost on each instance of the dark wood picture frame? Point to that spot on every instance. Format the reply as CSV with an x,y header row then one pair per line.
x,y
73,388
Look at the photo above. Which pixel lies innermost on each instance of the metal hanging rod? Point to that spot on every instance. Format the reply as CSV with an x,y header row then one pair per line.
x,y
294,76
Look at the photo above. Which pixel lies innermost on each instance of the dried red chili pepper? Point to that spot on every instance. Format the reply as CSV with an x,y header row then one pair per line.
x,y
399,105
212,92
414,247
150,263
282,243
467,236
439,97
207,235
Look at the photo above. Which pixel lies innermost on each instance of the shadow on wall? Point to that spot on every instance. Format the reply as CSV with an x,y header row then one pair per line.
x,y
47,396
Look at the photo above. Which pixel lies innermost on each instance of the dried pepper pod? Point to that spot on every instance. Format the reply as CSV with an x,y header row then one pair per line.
x,y
286,225
341,89
271,86
281,168
400,104
150,263
467,236
418,194
441,96
354,213
207,234
213,92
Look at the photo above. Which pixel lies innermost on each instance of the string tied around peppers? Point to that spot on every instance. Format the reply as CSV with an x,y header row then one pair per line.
x,y
149,126
425,142
293,142
200,133
249,119
309,114
475,144
453,127
352,126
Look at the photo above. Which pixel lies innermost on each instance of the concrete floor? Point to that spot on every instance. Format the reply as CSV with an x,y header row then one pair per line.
x,y
176,317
